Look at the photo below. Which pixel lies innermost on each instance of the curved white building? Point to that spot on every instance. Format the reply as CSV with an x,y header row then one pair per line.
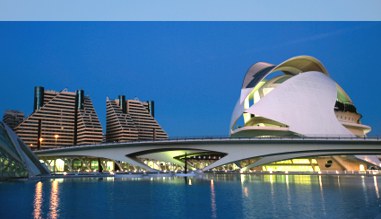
x,y
294,98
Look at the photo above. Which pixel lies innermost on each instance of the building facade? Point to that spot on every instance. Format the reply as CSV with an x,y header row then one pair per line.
x,y
60,119
13,118
131,120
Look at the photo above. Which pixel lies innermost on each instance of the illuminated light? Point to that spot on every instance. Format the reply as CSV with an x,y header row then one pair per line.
x,y
60,164
56,136
286,172
226,171
300,161
319,172
211,182
41,139
32,146
362,168
189,182
64,173
270,171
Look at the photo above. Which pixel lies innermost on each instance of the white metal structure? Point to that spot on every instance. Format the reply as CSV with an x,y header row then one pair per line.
x,y
302,101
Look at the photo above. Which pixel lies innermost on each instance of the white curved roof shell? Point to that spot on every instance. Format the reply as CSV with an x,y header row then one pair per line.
x,y
305,103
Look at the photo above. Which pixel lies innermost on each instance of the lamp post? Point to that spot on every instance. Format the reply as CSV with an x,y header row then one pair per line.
x,y
56,137
40,140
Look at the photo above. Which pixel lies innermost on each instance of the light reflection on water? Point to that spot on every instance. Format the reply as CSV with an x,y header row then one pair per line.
x,y
38,201
213,199
376,186
54,200
322,196
213,196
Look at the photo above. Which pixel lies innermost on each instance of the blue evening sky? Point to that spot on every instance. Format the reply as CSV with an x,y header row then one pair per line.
x,y
192,70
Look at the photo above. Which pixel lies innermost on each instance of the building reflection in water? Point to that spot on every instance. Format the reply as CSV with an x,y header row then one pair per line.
x,y
38,201
364,191
376,187
289,205
54,200
322,196
213,199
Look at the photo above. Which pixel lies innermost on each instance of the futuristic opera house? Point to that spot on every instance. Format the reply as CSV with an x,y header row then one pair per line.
x,y
294,98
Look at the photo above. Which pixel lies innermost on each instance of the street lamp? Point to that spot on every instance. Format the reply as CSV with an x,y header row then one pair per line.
x,y
56,137
40,140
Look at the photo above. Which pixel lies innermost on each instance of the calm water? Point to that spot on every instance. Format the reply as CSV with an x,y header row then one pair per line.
x,y
214,196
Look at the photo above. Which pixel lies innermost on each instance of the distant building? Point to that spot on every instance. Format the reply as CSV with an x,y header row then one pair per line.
x,y
131,120
13,118
60,119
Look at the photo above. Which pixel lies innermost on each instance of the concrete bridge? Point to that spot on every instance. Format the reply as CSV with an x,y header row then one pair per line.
x,y
266,150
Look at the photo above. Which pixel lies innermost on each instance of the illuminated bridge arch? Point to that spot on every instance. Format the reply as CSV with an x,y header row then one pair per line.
x,y
231,150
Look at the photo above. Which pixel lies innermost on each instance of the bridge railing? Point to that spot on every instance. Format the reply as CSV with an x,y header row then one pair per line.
x,y
222,138
205,138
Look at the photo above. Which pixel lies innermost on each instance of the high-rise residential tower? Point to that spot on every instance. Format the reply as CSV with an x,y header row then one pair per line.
x,y
131,120
13,118
60,119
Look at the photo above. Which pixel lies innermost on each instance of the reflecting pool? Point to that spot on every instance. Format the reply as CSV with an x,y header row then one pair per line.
x,y
210,196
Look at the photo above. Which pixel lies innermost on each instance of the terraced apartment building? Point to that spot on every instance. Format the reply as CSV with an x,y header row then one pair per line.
x,y
60,119
131,120
13,118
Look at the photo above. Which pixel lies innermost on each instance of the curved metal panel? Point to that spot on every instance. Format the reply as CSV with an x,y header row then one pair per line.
x,y
306,104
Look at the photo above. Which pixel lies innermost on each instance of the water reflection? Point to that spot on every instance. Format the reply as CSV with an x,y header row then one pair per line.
x,y
213,199
376,187
54,200
322,196
338,181
364,190
38,201
239,196
288,194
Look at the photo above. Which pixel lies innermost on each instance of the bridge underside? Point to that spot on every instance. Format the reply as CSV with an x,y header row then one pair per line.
x,y
223,156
